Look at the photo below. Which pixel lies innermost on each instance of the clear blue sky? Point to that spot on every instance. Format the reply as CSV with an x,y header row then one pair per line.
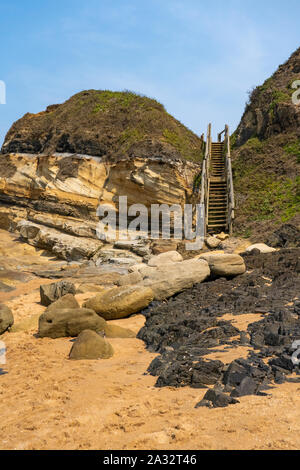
x,y
198,57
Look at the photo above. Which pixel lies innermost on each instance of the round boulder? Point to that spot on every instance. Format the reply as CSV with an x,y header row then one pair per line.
x,y
261,247
227,265
120,302
213,242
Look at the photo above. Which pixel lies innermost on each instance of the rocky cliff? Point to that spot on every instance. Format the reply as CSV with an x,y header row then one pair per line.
x,y
270,110
139,151
266,155
106,124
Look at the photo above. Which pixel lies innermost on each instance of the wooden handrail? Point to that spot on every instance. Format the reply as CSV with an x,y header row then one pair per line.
x,y
205,176
229,180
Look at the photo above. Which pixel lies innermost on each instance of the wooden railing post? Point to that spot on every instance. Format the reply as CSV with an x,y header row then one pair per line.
x,y
229,179
204,177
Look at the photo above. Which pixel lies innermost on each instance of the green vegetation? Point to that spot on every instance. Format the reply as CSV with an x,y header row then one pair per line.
x,y
107,123
254,144
233,140
129,137
266,85
179,143
267,198
264,192
278,96
289,85
122,99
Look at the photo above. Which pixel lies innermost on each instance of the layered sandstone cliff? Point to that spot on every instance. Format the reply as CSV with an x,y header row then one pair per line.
x,y
58,196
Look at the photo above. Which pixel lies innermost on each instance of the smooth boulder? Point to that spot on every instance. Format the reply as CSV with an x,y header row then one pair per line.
x,y
166,258
166,282
130,279
69,322
6,318
67,301
120,302
224,265
116,331
261,247
51,292
213,242
90,345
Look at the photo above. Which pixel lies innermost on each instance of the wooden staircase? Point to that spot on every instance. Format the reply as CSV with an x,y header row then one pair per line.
x,y
217,190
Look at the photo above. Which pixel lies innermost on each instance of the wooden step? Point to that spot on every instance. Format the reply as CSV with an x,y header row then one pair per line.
x,y
216,225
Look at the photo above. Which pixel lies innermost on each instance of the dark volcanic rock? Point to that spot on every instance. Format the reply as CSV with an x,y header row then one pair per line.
x,y
179,370
216,399
187,327
287,236
276,330
247,376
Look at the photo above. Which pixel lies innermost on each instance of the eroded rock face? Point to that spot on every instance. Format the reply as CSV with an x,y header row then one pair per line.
x,y
51,292
64,246
56,167
90,345
271,110
54,208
